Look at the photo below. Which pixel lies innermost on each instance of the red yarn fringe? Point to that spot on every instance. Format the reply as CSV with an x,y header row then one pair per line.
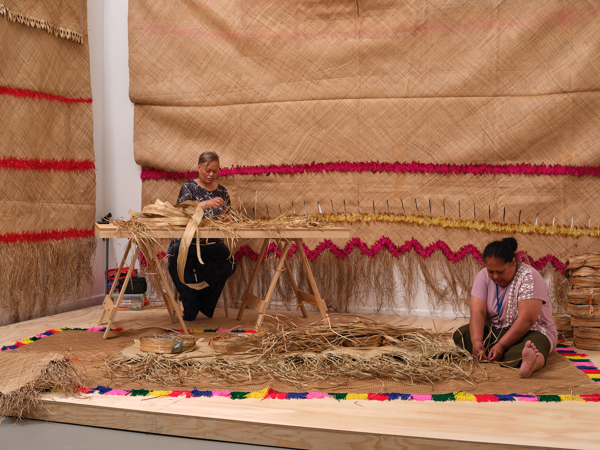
x,y
40,95
385,167
46,165
45,236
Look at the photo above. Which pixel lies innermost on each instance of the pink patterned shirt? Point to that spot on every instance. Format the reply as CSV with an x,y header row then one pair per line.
x,y
527,284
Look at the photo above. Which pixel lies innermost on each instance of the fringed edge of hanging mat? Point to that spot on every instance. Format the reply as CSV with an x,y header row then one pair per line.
x,y
57,377
34,22
66,265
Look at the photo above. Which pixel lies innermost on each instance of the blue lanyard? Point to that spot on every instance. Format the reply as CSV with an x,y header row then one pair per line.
x,y
500,301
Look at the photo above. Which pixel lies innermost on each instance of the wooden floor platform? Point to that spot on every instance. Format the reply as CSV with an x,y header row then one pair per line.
x,y
318,424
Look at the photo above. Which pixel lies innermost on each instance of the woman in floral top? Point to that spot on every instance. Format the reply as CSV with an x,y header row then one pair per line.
x,y
511,315
219,264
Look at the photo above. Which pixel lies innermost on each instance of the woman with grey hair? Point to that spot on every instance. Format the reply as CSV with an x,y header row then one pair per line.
x,y
219,264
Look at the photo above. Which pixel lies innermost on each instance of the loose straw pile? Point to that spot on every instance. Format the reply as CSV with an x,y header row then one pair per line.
x,y
314,357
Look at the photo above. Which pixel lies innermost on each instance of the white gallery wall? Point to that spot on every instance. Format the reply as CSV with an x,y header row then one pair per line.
x,y
118,183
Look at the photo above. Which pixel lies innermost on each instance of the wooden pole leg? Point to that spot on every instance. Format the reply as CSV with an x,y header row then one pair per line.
x,y
170,297
316,297
247,296
225,303
278,270
290,274
115,308
108,297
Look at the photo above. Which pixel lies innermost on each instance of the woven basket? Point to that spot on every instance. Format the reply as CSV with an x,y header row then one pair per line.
x,y
587,260
581,296
365,341
562,321
230,345
177,343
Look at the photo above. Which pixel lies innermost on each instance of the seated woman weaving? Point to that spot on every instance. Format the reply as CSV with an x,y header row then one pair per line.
x,y
511,316
218,265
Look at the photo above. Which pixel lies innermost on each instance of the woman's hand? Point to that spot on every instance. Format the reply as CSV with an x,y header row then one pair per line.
x,y
216,202
479,351
496,352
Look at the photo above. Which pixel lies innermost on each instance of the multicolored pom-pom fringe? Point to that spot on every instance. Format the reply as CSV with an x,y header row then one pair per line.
x,y
46,333
272,394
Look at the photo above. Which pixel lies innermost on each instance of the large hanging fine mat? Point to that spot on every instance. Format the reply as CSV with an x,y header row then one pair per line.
x,y
47,169
455,116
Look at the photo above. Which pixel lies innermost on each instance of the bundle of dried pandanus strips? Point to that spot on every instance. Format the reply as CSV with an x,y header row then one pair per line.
x,y
313,357
189,217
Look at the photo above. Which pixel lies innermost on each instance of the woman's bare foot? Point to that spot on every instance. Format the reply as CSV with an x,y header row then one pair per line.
x,y
532,360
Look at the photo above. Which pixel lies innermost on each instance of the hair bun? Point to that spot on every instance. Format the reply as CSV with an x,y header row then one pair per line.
x,y
511,242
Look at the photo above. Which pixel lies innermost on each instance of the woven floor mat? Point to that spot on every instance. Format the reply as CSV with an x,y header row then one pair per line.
x,y
559,377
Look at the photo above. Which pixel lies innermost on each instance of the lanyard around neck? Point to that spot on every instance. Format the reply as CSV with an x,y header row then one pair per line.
x,y
500,301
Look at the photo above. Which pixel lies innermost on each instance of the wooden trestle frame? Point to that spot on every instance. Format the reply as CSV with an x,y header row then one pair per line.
x,y
284,241
261,305
111,308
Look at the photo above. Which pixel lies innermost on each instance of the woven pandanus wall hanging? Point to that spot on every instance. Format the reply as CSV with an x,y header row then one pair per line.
x,y
429,128
48,184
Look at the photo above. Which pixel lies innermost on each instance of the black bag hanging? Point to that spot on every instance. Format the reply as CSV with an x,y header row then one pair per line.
x,y
136,285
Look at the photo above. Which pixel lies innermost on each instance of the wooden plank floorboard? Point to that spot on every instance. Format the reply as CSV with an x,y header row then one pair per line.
x,y
318,424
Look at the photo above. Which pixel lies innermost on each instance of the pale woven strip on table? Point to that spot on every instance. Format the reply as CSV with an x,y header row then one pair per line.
x,y
496,198
191,232
66,19
41,63
45,129
272,51
554,129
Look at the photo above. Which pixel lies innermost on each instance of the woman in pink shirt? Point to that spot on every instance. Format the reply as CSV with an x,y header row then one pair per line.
x,y
511,315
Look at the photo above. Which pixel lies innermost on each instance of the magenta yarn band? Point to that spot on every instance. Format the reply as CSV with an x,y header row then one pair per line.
x,y
384,167
397,251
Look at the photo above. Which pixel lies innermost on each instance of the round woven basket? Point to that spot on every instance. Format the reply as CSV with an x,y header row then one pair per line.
x,y
177,343
581,296
364,341
236,344
587,260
